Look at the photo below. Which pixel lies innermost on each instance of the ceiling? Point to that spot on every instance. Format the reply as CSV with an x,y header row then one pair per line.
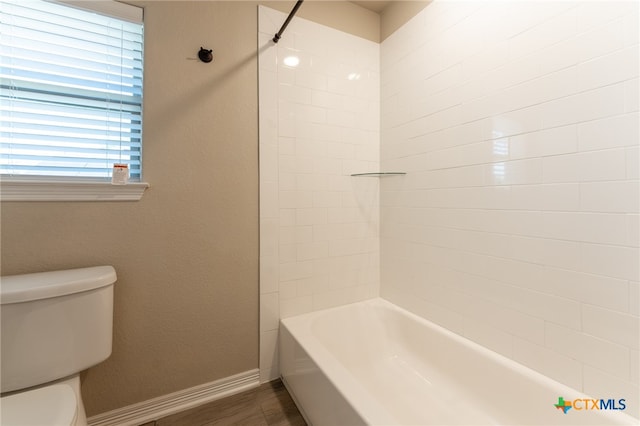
x,y
373,5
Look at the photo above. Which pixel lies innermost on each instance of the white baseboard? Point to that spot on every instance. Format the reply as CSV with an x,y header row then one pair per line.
x,y
156,408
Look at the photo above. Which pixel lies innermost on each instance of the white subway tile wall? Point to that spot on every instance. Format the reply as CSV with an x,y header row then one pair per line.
x,y
517,222
319,103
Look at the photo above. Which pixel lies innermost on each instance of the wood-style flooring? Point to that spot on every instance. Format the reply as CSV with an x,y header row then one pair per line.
x,y
267,405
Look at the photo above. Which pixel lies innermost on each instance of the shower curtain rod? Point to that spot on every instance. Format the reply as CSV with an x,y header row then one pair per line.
x,y
286,22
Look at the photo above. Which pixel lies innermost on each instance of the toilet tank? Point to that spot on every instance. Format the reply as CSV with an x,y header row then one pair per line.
x,y
54,324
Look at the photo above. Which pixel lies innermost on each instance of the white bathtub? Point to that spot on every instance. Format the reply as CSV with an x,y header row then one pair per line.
x,y
374,363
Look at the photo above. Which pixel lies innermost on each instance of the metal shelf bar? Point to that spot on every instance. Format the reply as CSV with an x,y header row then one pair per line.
x,y
378,174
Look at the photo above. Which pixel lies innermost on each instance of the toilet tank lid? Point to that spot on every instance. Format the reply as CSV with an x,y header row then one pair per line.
x,y
44,285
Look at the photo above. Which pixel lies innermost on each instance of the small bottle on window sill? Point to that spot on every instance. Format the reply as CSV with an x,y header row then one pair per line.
x,y
120,174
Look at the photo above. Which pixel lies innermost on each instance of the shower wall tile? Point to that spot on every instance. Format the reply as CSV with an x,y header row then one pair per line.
x,y
598,382
614,326
635,366
269,312
319,123
269,355
517,222
612,197
634,298
599,353
632,97
562,368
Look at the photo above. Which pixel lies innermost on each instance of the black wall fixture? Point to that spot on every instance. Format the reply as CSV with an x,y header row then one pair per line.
x,y
286,22
205,55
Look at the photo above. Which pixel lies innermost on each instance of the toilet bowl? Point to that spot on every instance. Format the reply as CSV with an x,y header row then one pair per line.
x,y
57,405
53,326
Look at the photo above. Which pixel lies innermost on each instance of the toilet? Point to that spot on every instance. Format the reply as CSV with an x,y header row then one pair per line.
x,y
53,326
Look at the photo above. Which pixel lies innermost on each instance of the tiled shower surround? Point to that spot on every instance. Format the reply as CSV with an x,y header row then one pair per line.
x,y
517,222
319,123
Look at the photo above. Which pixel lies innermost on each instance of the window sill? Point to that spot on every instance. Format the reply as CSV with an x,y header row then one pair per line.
x,y
32,190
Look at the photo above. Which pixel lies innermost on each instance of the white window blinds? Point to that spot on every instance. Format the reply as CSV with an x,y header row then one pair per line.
x,y
71,90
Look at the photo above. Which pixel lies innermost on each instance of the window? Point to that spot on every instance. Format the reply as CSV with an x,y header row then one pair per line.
x,y
71,91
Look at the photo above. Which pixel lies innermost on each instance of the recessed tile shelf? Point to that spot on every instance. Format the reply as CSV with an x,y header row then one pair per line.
x,y
378,174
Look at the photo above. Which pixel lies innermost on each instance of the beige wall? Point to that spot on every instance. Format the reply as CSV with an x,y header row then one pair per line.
x,y
341,15
186,300
397,13
348,17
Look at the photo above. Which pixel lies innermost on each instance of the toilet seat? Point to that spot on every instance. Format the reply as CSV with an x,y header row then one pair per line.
x,y
56,406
